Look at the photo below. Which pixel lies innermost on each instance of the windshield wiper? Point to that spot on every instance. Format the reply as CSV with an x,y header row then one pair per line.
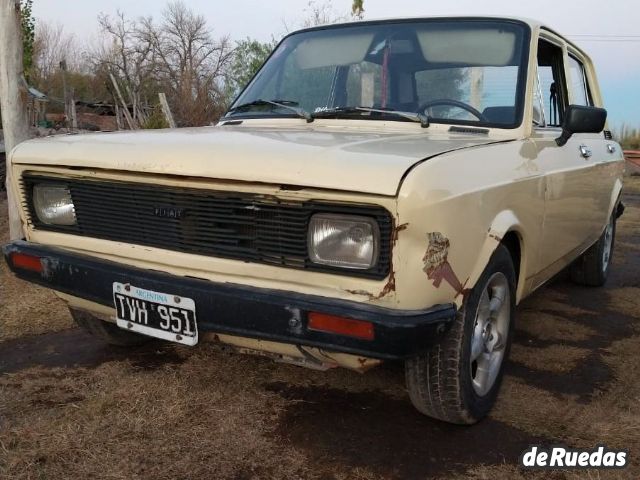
x,y
413,116
286,104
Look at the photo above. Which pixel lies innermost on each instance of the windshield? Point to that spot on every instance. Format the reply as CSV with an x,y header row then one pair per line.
x,y
469,72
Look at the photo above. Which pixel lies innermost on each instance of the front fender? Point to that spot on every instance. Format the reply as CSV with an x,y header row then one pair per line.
x,y
455,209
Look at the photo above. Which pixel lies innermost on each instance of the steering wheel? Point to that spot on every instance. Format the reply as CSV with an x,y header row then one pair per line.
x,y
453,103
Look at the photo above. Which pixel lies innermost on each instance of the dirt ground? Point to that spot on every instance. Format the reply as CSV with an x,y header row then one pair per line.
x,y
71,407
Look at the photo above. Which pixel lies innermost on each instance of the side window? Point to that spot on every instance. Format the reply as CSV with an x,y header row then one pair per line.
x,y
579,87
552,82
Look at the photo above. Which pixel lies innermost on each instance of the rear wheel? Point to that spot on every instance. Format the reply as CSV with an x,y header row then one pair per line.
x,y
459,378
106,331
592,267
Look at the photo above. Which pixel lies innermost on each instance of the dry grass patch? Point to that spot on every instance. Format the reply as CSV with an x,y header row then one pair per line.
x,y
546,326
555,301
503,472
614,418
626,301
555,358
534,410
120,422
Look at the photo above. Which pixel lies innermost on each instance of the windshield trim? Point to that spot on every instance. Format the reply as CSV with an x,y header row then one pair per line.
x,y
521,87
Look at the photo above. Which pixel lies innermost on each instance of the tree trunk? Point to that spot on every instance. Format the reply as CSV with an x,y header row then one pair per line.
x,y
13,98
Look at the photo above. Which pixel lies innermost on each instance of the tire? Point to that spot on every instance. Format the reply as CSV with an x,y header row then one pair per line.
x,y
591,269
106,331
444,382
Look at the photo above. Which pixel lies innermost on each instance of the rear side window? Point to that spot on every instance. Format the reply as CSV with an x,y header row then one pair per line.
x,y
578,80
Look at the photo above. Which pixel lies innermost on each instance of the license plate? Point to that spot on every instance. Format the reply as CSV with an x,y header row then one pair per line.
x,y
161,315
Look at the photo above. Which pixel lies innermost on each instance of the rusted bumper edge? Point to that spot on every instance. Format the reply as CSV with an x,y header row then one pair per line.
x,y
241,310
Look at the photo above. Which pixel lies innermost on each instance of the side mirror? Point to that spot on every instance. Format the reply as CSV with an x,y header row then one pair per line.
x,y
580,119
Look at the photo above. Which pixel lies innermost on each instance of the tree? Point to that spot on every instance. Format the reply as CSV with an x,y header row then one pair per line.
x,y
127,55
27,24
50,47
248,57
629,138
177,56
357,9
321,13
316,12
189,64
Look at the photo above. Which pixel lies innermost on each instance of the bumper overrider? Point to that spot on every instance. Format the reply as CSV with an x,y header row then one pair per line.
x,y
240,310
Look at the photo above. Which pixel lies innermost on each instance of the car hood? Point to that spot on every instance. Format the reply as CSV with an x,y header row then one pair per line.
x,y
350,159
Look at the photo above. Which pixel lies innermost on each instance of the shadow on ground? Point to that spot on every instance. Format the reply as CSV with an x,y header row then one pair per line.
x,y
74,348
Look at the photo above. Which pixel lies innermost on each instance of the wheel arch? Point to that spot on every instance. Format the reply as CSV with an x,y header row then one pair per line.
x,y
506,229
616,194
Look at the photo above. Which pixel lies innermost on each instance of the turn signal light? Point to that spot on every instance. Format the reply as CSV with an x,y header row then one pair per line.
x,y
26,262
341,326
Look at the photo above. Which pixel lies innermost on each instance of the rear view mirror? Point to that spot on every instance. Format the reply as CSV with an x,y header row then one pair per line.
x,y
580,119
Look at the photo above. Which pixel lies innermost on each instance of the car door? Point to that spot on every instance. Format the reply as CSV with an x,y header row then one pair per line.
x,y
572,197
603,153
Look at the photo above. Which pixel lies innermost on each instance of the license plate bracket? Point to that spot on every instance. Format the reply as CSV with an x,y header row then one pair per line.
x,y
156,314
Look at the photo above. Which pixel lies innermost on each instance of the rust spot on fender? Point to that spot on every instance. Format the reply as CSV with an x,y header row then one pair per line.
x,y
396,233
437,266
495,237
390,286
360,292
397,230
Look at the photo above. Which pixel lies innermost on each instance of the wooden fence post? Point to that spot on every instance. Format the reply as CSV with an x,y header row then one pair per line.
x,y
166,110
125,108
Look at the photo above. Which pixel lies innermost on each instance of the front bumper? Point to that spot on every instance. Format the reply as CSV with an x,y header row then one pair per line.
x,y
241,310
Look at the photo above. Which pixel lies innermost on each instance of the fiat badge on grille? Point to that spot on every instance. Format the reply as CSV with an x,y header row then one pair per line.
x,y
168,212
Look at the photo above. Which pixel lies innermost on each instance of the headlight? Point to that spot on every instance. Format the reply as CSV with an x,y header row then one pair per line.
x,y
346,241
53,204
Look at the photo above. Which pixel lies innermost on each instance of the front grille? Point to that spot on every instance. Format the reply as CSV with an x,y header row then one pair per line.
x,y
231,225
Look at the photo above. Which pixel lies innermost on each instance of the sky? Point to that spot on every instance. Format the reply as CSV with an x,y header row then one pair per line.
x,y
608,31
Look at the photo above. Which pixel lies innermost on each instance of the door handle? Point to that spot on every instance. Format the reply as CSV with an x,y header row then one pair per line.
x,y
585,151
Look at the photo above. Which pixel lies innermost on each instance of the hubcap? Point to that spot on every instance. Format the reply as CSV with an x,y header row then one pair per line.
x,y
608,243
490,333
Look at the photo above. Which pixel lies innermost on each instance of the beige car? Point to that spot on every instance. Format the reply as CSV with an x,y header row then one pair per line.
x,y
385,190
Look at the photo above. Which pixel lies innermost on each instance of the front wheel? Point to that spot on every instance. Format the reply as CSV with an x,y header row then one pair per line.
x,y
458,379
